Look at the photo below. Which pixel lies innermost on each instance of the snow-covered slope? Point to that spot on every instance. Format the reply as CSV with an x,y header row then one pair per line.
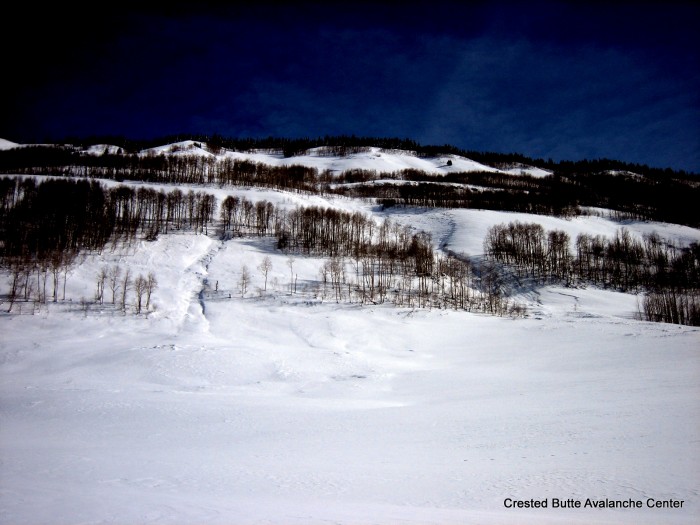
x,y
522,169
270,407
6,144
375,159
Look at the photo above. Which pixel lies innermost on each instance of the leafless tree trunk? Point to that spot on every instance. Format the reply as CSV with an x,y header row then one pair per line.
x,y
101,279
244,280
151,284
140,289
126,286
265,267
114,280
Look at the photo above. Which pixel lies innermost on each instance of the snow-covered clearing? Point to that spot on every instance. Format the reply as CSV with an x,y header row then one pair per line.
x,y
283,408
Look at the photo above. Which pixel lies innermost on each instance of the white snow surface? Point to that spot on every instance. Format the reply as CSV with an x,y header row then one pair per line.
x,y
522,169
278,408
375,159
7,144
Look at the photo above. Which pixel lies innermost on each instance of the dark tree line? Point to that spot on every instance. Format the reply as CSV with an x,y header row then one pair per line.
x,y
439,195
629,197
240,216
670,306
668,273
662,195
38,219
162,168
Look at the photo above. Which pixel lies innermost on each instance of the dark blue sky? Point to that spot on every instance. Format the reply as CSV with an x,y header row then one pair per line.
x,y
559,80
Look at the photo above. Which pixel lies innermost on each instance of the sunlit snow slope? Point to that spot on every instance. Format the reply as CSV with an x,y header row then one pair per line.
x,y
280,408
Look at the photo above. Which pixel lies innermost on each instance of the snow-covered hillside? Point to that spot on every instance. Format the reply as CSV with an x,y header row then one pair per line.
x,y
373,159
286,408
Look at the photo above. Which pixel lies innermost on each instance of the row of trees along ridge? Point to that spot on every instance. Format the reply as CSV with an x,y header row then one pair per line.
x,y
636,191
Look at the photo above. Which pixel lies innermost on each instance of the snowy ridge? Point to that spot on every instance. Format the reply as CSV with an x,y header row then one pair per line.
x,y
375,159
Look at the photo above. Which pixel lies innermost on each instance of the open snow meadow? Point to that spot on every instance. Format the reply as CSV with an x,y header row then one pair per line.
x,y
271,403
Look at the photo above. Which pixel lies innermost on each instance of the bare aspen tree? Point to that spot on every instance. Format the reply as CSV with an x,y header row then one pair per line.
x,y
265,266
337,272
56,262
101,278
68,265
16,283
323,272
42,279
140,290
151,284
27,283
114,280
244,280
125,286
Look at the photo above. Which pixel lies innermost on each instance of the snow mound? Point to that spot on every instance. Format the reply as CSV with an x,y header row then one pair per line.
x,y
6,144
